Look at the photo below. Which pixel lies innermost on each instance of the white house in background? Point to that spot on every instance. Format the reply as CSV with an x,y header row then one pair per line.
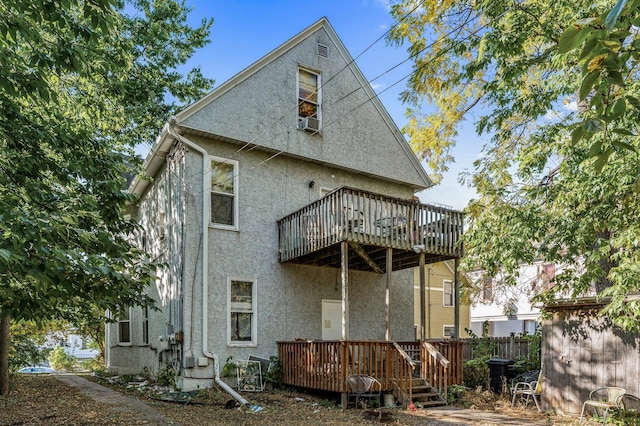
x,y
509,310
73,344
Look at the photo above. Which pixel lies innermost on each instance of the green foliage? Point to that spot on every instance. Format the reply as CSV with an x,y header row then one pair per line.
x,y
59,360
455,393
81,84
559,175
476,371
23,352
622,417
533,360
229,368
274,375
27,338
98,368
95,365
168,376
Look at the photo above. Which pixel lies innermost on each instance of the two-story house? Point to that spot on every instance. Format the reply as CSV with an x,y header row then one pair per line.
x,y
282,206
436,302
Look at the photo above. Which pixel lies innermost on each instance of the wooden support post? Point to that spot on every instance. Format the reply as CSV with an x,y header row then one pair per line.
x,y
344,252
422,298
387,334
456,293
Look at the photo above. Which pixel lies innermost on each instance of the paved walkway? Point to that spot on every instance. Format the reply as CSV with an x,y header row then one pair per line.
x,y
474,417
120,402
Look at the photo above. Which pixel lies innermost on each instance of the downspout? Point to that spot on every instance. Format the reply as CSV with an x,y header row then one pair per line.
x,y
205,264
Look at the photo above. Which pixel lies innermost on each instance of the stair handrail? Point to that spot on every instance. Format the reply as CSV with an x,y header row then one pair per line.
x,y
403,387
441,379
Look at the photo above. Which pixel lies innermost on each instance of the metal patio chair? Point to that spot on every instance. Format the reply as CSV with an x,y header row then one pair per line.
x,y
365,388
528,390
604,398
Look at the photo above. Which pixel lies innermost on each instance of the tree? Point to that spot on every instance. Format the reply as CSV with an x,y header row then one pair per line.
x,y
555,85
81,82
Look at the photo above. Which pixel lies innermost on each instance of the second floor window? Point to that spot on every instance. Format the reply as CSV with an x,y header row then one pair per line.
x,y
308,95
447,291
487,288
224,189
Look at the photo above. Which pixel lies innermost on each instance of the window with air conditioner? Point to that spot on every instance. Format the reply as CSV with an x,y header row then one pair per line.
x,y
309,98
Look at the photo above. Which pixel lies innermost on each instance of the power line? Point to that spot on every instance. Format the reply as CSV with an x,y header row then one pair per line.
x,y
235,155
370,99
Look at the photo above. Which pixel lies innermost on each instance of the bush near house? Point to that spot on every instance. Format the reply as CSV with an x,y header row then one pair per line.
x,y
61,361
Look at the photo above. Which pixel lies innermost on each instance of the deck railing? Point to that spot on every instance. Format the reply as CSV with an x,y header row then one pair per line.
x,y
348,214
325,365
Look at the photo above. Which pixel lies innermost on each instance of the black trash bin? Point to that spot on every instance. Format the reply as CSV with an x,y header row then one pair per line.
x,y
499,367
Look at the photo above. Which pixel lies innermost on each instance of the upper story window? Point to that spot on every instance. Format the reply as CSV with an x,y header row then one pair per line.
x,y
309,98
224,192
447,291
487,288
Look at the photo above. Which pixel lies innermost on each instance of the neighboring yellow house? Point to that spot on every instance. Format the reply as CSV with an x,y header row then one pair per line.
x,y
439,302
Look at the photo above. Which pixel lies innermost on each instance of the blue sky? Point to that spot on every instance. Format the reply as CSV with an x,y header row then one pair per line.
x,y
245,30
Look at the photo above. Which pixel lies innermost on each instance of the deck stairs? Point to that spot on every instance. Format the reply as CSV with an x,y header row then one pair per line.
x,y
422,394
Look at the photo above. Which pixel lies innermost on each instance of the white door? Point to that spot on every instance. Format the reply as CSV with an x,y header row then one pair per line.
x,y
331,319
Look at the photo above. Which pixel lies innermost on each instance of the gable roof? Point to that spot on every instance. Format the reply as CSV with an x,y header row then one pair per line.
x,y
381,152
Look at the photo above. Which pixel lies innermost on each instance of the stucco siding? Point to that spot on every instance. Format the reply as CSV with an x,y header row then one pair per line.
x,y
289,296
356,134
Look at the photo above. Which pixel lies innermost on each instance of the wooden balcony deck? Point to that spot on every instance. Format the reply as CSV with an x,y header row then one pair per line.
x,y
325,365
371,223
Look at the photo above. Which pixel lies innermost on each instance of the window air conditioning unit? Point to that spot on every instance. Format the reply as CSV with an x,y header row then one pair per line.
x,y
310,124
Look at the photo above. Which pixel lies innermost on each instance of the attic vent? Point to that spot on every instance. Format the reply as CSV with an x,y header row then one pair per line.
x,y
323,50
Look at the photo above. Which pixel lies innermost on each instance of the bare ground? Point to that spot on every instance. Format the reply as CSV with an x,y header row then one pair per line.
x,y
44,400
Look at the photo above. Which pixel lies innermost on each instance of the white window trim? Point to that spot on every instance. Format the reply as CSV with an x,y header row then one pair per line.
x,y
120,342
444,294
317,73
236,191
254,317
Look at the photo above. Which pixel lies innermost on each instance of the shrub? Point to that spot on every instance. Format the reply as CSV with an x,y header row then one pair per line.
x,y
476,371
59,360
168,376
274,375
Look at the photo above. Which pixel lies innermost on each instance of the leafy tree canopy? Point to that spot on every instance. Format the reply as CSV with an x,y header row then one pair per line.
x,y
81,83
556,86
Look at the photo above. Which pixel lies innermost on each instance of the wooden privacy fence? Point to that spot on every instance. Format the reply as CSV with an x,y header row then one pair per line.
x,y
513,347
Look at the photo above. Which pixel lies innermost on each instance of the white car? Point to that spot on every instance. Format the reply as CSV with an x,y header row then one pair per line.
x,y
36,370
